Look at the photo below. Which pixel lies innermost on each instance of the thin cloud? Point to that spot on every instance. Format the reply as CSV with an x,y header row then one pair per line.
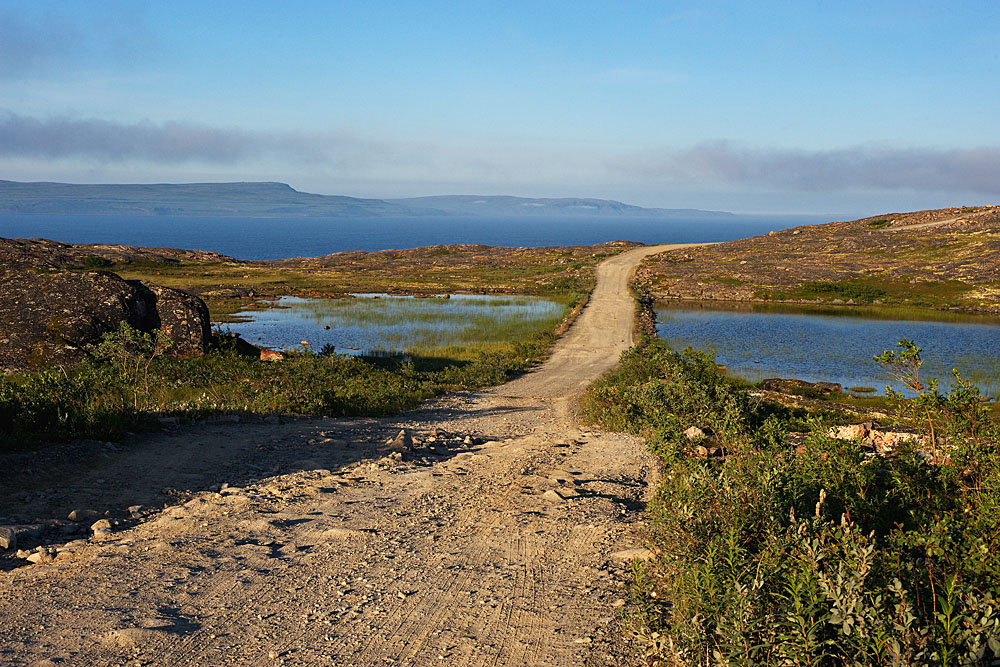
x,y
351,155
169,142
858,168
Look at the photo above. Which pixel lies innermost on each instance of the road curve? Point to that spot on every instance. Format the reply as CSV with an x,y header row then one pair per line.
x,y
598,337
322,552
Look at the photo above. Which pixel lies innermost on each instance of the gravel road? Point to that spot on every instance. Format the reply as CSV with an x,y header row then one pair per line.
x,y
502,537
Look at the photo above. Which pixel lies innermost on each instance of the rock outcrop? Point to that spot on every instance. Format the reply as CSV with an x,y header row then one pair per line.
x,y
53,318
17,255
793,385
181,316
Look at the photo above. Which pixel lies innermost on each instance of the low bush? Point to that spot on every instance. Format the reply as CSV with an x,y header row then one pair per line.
x,y
130,380
818,555
848,291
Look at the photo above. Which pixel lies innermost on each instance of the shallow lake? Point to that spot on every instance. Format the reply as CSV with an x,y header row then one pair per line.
x,y
832,345
367,323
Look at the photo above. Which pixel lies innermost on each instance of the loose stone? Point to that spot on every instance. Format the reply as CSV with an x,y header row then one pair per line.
x,y
8,539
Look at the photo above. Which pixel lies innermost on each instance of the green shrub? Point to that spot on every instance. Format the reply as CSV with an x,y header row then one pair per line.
x,y
130,379
96,262
848,291
823,556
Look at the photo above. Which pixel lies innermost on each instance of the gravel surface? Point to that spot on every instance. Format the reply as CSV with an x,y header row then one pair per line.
x,y
496,531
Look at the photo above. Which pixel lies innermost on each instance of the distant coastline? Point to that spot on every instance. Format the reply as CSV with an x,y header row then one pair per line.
x,y
279,200
275,238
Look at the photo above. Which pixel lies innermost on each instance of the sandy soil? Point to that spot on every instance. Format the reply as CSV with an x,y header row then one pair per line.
x,y
503,538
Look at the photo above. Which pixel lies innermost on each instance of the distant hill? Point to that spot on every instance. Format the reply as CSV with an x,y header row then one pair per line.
x,y
278,200
476,205
256,200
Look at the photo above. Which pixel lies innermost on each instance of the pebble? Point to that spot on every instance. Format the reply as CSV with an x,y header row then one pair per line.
x,y
632,554
403,442
82,515
42,556
8,538
553,496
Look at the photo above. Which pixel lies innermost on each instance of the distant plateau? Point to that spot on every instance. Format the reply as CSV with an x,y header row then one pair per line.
x,y
279,200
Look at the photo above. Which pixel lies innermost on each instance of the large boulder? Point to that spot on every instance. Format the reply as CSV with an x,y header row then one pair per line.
x,y
53,318
181,316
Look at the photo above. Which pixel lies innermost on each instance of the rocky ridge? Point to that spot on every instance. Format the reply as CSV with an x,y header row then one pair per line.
x,y
947,258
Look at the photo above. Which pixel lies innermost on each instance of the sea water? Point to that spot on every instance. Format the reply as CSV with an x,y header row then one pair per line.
x,y
275,238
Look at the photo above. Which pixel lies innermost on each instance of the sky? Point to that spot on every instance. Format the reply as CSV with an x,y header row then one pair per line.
x,y
853,108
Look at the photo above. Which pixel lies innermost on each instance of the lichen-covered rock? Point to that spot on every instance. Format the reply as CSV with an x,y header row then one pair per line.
x,y
51,319
181,316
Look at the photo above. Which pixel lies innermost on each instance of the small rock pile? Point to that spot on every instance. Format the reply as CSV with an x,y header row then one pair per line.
x,y
436,442
47,541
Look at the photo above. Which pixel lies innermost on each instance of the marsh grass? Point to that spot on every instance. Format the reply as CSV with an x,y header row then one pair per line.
x,y
404,324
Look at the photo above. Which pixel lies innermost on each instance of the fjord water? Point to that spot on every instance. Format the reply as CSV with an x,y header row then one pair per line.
x,y
833,345
275,238
370,323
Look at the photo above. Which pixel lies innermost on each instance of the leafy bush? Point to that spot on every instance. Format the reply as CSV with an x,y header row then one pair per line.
x,y
130,379
824,555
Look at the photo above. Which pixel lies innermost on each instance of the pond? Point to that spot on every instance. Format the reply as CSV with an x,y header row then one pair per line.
x,y
377,323
833,345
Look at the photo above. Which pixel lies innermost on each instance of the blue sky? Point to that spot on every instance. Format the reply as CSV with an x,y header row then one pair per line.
x,y
821,107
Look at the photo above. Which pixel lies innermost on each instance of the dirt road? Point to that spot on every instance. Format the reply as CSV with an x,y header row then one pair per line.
x,y
496,541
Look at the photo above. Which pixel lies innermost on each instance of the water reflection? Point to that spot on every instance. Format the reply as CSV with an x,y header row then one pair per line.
x,y
834,345
367,323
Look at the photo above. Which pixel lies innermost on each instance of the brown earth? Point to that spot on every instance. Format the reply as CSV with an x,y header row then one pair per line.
x,y
943,259
506,548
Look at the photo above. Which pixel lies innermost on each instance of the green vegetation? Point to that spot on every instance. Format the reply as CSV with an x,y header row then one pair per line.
x,y
903,292
868,312
95,262
821,554
130,381
847,290
879,224
425,325
453,269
